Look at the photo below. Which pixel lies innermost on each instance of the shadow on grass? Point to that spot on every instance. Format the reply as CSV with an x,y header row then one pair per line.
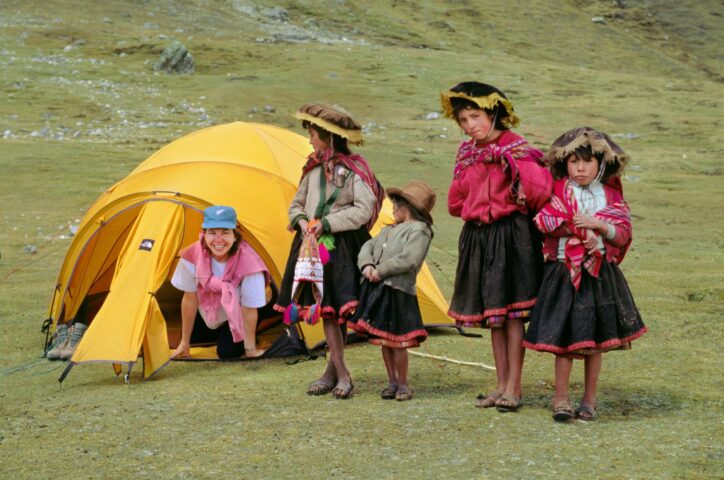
x,y
617,402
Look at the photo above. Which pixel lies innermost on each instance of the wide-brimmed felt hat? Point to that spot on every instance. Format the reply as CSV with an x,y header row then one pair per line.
x,y
333,119
419,194
219,216
484,96
599,142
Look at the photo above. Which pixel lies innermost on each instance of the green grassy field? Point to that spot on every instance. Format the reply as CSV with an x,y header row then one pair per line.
x,y
81,107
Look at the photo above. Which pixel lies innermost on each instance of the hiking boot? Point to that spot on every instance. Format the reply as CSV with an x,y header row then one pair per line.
x,y
60,340
75,335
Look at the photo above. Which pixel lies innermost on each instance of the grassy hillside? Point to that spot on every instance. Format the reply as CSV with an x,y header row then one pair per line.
x,y
82,107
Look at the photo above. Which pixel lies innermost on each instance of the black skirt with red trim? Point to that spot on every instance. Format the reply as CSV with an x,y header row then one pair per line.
x,y
389,317
600,316
498,273
341,277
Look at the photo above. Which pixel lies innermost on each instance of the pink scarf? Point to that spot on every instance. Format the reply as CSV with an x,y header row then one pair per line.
x,y
359,166
560,211
518,150
214,292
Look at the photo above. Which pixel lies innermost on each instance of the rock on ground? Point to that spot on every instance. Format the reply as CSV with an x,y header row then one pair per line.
x,y
175,59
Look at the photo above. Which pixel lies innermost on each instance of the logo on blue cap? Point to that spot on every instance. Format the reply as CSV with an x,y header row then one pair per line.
x,y
219,217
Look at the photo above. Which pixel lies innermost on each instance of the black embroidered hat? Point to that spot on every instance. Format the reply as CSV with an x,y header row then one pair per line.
x,y
484,96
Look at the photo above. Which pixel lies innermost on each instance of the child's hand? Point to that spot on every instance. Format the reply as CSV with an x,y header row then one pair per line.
x,y
591,241
303,226
317,229
584,221
366,271
374,277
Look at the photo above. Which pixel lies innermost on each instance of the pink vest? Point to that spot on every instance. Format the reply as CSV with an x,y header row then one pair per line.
x,y
214,292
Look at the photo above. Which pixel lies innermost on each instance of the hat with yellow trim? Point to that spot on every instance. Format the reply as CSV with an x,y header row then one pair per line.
x,y
586,137
485,96
333,119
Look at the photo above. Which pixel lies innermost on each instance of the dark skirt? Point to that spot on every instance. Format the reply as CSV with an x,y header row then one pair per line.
x,y
341,277
498,273
600,316
389,317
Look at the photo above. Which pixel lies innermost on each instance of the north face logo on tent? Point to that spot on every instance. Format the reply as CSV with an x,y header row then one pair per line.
x,y
146,244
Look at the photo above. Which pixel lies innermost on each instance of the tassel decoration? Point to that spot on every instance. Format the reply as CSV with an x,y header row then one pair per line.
x,y
327,240
291,314
314,314
323,254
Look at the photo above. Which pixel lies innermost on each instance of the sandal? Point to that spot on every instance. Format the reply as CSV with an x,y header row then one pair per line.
x,y
319,387
512,403
343,390
389,392
585,412
403,394
487,401
562,411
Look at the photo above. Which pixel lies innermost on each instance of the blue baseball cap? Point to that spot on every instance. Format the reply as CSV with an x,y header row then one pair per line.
x,y
219,216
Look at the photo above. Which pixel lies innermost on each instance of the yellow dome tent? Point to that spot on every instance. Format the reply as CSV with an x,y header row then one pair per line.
x,y
116,274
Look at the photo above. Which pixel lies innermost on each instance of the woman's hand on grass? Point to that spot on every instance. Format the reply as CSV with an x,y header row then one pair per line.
x,y
182,351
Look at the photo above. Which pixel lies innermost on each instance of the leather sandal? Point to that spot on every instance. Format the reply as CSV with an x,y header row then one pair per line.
x,y
403,394
512,403
585,412
319,387
562,411
389,392
343,390
487,401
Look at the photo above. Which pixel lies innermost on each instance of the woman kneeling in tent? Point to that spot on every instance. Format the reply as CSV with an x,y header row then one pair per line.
x,y
337,202
224,280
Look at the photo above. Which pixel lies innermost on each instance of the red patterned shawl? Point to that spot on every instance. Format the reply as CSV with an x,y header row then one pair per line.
x,y
510,154
359,166
560,211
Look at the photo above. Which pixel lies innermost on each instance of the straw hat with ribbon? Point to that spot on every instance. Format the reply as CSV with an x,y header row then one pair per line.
x,y
333,119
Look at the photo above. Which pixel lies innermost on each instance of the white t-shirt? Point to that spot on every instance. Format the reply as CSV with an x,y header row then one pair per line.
x,y
251,291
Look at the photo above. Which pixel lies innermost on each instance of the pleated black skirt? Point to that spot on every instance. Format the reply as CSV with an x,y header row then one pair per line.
x,y
388,316
600,316
498,273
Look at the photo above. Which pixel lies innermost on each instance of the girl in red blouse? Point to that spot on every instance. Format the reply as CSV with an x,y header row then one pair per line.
x,y
498,183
